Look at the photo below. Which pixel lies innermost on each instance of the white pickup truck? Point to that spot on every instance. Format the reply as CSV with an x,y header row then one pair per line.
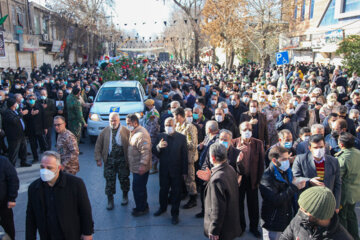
x,y
124,97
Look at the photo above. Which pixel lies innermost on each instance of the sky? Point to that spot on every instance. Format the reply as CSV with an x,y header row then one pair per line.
x,y
140,11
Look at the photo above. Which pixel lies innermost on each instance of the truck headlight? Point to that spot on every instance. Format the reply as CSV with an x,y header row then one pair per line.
x,y
94,117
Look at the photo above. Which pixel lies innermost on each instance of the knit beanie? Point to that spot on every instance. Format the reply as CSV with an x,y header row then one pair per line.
x,y
319,202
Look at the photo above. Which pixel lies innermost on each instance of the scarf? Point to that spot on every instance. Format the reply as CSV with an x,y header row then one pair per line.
x,y
117,138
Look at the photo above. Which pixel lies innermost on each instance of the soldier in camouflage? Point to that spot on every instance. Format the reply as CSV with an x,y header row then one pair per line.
x,y
66,146
190,132
152,125
111,147
74,113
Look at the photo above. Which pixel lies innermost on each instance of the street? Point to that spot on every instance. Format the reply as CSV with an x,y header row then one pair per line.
x,y
118,223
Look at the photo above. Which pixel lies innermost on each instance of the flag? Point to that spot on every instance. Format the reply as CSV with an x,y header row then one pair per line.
x,y
2,20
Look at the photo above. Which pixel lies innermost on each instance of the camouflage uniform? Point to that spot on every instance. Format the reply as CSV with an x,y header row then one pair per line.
x,y
74,115
272,114
190,131
116,164
68,149
152,125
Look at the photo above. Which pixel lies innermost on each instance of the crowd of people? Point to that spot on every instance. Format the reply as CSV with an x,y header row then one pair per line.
x,y
210,133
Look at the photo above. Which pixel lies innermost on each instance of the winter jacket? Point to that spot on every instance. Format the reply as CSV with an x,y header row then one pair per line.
x,y
9,181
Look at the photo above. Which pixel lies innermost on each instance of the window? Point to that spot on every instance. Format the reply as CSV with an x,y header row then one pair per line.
x,y
37,24
303,10
118,94
45,25
312,4
295,10
329,17
350,5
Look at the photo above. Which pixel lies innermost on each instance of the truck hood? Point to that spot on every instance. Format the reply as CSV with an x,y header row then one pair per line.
x,y
125,107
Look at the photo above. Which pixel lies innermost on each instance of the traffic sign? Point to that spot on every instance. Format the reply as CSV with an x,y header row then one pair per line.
x,y
282,58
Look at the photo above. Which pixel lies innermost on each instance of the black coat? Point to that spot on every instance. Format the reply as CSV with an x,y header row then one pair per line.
x,y
230,125
237,111
49,112
222,203
173,158
72,205
301,228
35,124
12,125
9,181
278,200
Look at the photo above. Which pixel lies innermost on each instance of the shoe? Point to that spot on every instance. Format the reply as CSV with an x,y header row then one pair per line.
x,y
25,164
200,215
137,213
256,234
159,212
175,220
125,199
191,203
35,161
183,196
110,205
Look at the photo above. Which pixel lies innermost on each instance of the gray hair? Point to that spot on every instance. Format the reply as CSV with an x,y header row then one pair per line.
x,y
222,105
113,114
54,155
317,126
176,103
226,132
354,111
219,151
187,110
213,125
169,119
198,108
59,117
284,132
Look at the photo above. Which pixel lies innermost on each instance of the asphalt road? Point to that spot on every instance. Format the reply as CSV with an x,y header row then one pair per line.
x,y
118,223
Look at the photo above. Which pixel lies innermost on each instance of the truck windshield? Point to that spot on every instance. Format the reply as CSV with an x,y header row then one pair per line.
x,y
118,94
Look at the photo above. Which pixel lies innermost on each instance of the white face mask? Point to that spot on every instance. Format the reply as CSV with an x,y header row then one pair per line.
x,y
291,111
169,130
189,119
233,103
218,118
131,128
226,110
319,153
46,175
246,134
253,109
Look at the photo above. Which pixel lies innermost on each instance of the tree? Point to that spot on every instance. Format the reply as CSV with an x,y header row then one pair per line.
x,y
350,48
224,23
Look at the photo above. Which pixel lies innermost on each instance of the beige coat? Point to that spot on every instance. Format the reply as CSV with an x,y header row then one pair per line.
x,y
103,141
139,150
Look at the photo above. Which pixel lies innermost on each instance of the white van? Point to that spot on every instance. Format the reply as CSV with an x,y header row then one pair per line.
x,y
124,97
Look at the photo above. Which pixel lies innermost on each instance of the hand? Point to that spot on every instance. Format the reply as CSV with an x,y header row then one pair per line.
x,y
240,157
34,112
286,120
337,211
204,175
243,148
99,163
24,112
358,129
201,145
253,121
85,125
213,237
11,204
44,105
45,131
86,237
315,182
142,169
162,143
60,112
299,184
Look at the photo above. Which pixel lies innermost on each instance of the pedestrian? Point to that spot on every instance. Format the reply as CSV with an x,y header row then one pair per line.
x,y
190,132
139,155
111,148
74,113
348,158
172,150
14,126
50,111
278,189
253,162
58,204
9,186
318,168
67,147
221,198
316,218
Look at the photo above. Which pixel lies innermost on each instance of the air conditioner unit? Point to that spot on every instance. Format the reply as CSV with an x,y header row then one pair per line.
x,y
45,37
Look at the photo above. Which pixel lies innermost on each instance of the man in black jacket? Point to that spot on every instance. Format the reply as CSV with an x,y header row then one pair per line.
x,y
49,112
9,186
225,122
58,204
35,127
278,189
171,149
14,126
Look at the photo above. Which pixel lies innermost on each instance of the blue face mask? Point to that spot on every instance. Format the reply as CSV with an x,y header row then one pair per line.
x,y
169,111
288,145
273,104
32,101
195,116
226,144
284,165
166,96
296,103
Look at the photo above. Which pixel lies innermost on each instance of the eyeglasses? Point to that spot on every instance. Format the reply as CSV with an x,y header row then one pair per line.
x,y
58,125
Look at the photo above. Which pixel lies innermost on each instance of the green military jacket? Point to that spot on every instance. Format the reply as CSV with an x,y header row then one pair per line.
x,y
74,109
349,160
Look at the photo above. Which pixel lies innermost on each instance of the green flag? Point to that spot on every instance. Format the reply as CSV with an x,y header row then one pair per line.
x,y
2,20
